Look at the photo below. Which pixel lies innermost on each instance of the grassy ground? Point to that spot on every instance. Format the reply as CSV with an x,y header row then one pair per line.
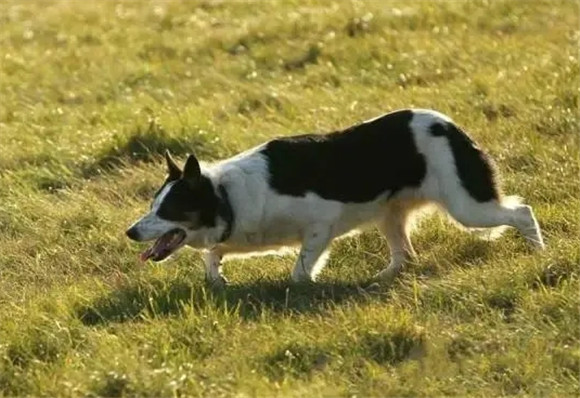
x,y
92,92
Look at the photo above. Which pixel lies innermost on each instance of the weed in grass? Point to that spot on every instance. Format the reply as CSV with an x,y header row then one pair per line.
x,y
148,145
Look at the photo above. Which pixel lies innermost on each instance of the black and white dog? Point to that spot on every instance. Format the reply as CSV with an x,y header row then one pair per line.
x,y
310,189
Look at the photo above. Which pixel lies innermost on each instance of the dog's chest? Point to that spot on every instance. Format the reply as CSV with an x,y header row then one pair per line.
x,y
283,232
285,221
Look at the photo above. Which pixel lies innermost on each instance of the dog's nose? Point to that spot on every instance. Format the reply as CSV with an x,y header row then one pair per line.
x,y
133,234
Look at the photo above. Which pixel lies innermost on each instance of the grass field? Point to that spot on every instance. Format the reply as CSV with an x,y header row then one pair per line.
x,y
92,92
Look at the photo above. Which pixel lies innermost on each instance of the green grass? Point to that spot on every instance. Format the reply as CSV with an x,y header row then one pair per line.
x,y
92,92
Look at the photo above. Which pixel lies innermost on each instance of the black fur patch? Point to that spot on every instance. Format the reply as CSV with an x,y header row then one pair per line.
x,y
198,205
354,165
184,200
474,168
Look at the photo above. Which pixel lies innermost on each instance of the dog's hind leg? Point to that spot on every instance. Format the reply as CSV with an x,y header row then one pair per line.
x,y
495,213
463,181
395,225
525,221
312,257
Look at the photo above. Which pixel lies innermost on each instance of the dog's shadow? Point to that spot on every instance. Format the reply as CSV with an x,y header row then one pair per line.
x,y
249,300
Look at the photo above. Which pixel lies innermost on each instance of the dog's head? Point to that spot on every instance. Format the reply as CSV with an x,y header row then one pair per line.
x,y
184,211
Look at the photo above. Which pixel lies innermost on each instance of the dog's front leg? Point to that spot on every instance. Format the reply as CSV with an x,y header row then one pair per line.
x,y
213,268
312,257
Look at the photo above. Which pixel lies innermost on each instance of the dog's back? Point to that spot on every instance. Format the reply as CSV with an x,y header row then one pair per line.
x,y
353,166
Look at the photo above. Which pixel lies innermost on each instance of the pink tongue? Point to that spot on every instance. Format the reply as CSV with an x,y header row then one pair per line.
x,y
146,254
157,247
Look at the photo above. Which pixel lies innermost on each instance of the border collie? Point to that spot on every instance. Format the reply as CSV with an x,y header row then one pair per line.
x,y
310,189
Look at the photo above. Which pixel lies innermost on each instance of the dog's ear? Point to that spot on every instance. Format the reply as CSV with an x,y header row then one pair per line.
x,y
192,171
172,167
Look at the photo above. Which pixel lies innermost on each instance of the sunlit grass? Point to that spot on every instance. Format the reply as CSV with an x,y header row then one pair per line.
x,y
91,93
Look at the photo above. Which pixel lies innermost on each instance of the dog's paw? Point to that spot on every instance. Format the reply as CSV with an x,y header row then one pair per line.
x,y
301,277
373,287
218,283
370,289
384,278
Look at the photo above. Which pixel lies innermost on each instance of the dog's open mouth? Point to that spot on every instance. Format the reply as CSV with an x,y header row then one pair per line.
x,y
164,246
